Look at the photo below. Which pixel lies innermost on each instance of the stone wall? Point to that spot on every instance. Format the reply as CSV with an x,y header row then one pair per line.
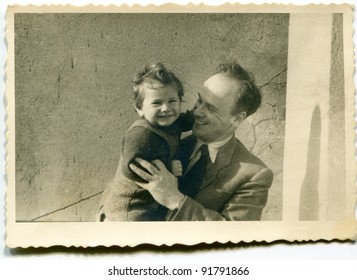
x,y
74,96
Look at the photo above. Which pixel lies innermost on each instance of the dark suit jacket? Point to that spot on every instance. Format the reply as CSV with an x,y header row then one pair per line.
x,y
235,187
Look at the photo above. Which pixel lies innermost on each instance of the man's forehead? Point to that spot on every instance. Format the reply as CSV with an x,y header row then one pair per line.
x,y
221,84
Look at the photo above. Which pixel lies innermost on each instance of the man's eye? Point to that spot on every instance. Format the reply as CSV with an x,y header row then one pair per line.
x,y
211,108
173,101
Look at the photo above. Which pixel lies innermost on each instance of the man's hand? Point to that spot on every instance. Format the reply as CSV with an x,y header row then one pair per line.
x,y
161,184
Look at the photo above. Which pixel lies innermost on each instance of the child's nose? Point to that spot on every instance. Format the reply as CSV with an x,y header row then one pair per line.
x,y
165,107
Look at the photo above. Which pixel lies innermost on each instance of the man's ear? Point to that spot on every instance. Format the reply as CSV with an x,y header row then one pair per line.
x,y
239,118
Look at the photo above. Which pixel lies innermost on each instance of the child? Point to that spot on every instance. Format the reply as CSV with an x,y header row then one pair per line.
x,y
158,95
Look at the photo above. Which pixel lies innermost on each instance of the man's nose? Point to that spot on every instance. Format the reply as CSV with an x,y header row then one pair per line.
x,y
198,110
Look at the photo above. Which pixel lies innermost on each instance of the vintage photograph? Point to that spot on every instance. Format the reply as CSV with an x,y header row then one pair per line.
x,y
75,87
149,119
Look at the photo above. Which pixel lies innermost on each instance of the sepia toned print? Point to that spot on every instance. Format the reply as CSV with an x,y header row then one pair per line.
x,y
70,103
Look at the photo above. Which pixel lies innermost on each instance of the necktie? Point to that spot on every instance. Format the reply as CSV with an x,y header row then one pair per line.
x,y
193,178
204,156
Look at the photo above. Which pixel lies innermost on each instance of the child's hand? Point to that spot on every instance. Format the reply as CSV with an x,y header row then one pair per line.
x,y
176,168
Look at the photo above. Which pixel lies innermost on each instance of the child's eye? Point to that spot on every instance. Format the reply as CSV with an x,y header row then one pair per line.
x,y
173,101
156,103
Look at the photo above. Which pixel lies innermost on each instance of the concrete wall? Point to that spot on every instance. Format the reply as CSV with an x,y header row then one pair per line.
x,y
74,99
315,136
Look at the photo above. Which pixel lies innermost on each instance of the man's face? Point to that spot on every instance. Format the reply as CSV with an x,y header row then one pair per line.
x,y
213,119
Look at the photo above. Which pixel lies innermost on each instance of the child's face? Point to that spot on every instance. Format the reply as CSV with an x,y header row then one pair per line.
x,y
161,105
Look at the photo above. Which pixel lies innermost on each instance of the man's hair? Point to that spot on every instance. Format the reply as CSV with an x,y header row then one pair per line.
x,y
154,73
249,97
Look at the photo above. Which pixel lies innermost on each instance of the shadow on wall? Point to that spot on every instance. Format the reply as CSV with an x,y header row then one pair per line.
x,y
309,194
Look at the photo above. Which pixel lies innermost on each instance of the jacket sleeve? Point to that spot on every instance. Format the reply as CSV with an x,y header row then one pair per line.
x,y
185,121
245,204
140,142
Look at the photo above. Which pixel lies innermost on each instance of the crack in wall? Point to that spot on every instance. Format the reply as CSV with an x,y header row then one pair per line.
x,y
63,208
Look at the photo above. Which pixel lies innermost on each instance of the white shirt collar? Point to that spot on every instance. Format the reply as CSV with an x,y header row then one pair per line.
x,y
212,147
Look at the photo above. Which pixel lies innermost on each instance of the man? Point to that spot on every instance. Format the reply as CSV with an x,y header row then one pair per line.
x,y
231,184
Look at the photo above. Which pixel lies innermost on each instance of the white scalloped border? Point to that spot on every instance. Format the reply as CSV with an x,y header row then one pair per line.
x,y
84,235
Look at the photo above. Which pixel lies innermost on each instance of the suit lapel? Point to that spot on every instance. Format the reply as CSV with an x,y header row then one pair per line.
x,y
223,159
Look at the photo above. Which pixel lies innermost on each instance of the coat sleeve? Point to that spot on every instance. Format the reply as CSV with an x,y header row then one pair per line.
x,y
186,121
140,142
245,204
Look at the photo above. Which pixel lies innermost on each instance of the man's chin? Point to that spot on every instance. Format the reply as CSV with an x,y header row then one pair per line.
x,y
199,130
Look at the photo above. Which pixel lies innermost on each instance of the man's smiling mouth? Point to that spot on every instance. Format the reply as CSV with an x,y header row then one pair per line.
x,y
200,122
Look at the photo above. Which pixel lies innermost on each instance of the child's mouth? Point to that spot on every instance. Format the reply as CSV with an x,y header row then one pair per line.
x,y
165,117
